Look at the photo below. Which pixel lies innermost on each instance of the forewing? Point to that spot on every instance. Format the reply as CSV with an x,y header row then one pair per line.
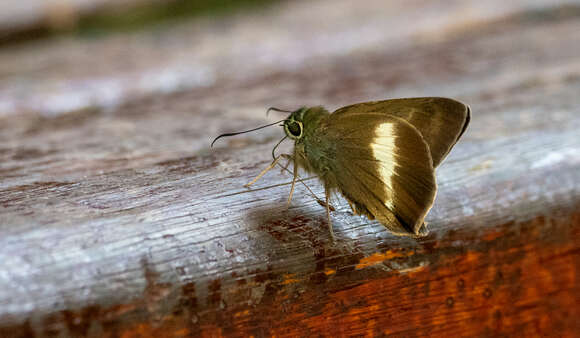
x,y
384,169
441,121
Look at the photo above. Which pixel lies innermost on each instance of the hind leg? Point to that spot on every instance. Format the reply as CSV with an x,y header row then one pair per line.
x,y
327,193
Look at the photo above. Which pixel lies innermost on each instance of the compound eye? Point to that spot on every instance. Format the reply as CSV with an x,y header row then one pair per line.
x,y
295,129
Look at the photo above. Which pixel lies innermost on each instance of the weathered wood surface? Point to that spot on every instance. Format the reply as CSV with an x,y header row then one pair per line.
x,y
117,219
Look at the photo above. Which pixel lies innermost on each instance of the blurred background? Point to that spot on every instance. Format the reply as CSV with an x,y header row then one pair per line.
x,y
63,55
111,197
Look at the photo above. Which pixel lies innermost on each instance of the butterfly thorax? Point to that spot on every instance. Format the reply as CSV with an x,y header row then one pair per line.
x,y
306,126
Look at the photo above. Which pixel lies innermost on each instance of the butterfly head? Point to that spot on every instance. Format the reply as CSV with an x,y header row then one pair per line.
x,y
293,125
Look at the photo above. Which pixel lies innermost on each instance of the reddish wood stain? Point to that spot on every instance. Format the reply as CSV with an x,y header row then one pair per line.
x,y
379,257
526,289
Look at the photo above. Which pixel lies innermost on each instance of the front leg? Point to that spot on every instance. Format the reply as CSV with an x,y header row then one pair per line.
x,y
272,165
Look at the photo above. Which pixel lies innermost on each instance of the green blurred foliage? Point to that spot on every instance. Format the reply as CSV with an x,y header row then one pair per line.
x,y
140,15
161,13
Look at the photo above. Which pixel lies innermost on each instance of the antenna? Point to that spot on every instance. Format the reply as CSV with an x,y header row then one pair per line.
x,y
245,131
278,110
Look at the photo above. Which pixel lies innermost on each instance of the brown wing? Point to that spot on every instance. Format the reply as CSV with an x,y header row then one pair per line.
x,y
383,167
441,121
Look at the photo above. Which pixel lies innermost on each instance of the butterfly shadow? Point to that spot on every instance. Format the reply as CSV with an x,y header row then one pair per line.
x,y
306,225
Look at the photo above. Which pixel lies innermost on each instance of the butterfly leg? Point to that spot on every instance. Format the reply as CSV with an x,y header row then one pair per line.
x,y
327,193
295,174
285,167
352,207
272,165
325,204
297,177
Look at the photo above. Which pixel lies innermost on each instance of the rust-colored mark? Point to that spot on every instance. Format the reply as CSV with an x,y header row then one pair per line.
x,y
183,333
242,313
378,258
471,257
289,279
147,330
492,235
412,270
329,271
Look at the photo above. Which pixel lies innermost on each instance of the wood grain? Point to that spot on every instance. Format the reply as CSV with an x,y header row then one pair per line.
x,y
120,221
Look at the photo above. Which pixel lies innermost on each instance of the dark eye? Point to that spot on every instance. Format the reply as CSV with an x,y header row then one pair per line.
x,y
294,129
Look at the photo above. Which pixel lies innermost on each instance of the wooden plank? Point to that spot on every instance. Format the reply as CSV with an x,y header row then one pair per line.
x,y
121,221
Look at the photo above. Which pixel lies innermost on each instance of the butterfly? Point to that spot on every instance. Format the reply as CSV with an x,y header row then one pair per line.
x,y
380,155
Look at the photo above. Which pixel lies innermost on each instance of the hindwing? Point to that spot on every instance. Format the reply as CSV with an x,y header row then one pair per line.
x,y
384,169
